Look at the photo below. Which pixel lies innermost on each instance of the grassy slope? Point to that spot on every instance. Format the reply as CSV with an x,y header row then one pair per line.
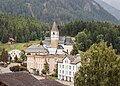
x,y
20,46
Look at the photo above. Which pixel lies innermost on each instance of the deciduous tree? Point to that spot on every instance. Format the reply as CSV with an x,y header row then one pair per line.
x,y
100,67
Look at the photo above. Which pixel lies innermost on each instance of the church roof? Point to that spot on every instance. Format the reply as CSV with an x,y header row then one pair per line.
x,y
62,40
68,41
36,49
55,27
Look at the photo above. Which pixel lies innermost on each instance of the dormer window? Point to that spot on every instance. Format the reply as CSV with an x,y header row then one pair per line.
x,y
53,33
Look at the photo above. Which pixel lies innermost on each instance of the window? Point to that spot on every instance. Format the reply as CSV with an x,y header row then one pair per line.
x,y
70,73
69,67
65,61
60,71
63,72
73,67
53,33
62,66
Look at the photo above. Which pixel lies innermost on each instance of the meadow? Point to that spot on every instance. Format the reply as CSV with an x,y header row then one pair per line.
x,y
19,46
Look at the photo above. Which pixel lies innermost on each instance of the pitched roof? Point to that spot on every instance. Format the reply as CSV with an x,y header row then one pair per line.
x,y
50,82
62,40
73,59
55,27
68,41
36,49
19,79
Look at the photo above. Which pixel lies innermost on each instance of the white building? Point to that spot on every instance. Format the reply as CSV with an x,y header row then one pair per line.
x,y
14,53
68,67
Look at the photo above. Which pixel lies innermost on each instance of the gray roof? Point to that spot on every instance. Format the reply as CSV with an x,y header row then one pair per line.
x,y
73,59
19,79
36,49
51,82
62,40
47,41
68,41
55,27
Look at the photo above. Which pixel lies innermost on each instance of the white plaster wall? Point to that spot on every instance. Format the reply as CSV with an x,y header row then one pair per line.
x,y
68,68
68,47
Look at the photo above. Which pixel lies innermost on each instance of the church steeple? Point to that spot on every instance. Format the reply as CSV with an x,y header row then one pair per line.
x,y
55,27
54,36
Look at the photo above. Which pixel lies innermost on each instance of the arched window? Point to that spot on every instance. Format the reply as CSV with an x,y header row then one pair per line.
x,y
53,33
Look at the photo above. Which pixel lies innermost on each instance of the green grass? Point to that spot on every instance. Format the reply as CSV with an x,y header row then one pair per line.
x,y
20,46
52,77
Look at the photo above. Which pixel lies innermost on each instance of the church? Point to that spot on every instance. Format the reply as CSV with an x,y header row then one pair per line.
x,y
57,44
53,50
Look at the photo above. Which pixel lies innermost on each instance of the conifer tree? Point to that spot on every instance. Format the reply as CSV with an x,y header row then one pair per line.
x,y
46,67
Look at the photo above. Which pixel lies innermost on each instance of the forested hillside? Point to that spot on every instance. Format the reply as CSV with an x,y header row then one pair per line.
x,y
59,10
87,33
109,8
22,29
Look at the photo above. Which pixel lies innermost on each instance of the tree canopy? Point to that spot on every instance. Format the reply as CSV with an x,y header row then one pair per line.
x,y
21,28
4,56
88,33
100,67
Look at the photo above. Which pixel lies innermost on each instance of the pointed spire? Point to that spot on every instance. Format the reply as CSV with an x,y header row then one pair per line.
x,y
55,27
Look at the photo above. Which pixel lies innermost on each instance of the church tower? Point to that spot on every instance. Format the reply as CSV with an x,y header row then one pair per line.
x,y
54,36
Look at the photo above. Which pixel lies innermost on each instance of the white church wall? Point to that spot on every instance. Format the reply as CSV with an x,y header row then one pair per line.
x,y
68,48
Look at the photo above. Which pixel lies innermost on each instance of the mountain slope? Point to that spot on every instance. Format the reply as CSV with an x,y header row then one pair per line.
x,y
115,12
59,10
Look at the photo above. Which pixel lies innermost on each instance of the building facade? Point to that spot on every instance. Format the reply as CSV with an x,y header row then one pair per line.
x,y
36,55
67,68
